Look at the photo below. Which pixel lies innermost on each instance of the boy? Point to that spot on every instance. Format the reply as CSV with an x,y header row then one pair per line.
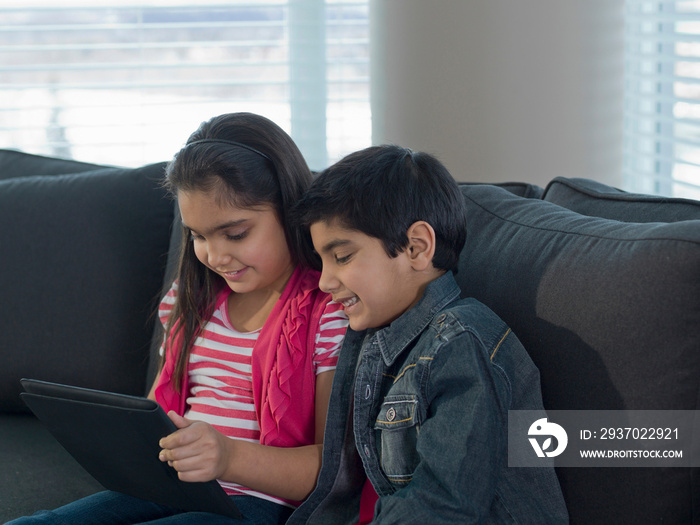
x,y
419,407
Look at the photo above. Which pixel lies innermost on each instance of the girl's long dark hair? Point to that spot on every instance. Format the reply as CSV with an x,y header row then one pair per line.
x,y
270,170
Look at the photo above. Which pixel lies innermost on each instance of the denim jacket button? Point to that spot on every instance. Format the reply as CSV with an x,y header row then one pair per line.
x,y
368,392
390,414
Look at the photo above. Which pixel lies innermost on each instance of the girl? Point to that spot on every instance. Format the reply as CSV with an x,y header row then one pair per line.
x,y
250,341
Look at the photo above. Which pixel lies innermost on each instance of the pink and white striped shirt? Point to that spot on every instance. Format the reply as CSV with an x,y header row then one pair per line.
x,y
220,380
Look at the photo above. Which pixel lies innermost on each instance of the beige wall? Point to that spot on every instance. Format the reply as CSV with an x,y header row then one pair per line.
x,y
502,90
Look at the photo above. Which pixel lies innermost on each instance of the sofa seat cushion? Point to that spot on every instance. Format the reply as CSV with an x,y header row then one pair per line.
x,y
37,472
595,199
80,275
609,312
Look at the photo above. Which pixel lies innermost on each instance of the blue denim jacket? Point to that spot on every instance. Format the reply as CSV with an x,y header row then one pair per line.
x,y
420,407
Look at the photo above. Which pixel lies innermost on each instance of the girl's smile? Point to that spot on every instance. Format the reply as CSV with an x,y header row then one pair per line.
x,y
245,246
234,275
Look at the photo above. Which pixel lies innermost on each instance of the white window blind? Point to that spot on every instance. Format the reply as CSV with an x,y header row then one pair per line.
x,y
662,98
125,81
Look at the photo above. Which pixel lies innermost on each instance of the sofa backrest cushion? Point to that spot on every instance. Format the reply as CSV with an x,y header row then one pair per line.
x,y
522,189
17,164
609,312
80,274
595,199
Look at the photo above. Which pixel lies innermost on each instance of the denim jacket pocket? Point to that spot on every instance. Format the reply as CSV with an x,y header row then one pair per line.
x,y
399,427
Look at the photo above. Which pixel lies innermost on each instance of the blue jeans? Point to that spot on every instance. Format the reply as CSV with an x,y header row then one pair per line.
x,y
113,508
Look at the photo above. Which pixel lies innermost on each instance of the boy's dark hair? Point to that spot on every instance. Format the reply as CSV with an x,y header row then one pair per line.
x,y
382,190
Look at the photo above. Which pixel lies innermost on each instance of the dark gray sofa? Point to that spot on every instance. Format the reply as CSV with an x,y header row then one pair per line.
x,y
84,251
602,287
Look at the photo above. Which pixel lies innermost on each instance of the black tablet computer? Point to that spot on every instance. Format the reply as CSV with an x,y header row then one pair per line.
x,y
115,438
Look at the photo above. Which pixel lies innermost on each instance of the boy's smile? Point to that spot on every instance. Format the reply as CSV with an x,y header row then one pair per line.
x,y
373,288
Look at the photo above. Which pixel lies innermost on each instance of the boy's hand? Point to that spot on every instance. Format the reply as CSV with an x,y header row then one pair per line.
x,y
196,451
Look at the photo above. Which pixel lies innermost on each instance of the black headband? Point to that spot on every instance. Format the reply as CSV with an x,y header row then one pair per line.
x,y
230,142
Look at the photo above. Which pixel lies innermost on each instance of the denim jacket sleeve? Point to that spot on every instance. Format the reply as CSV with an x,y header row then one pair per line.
x,y
461,441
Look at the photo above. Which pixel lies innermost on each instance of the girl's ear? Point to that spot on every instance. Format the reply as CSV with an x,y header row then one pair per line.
x,y
421,245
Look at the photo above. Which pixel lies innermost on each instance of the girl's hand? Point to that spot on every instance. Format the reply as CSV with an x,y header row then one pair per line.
x,y
196,451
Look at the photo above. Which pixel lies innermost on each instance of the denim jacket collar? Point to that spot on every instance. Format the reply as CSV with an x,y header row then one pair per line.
x,y
394,338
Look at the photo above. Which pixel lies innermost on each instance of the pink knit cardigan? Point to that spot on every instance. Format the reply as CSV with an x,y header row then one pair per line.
x,y
284,379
